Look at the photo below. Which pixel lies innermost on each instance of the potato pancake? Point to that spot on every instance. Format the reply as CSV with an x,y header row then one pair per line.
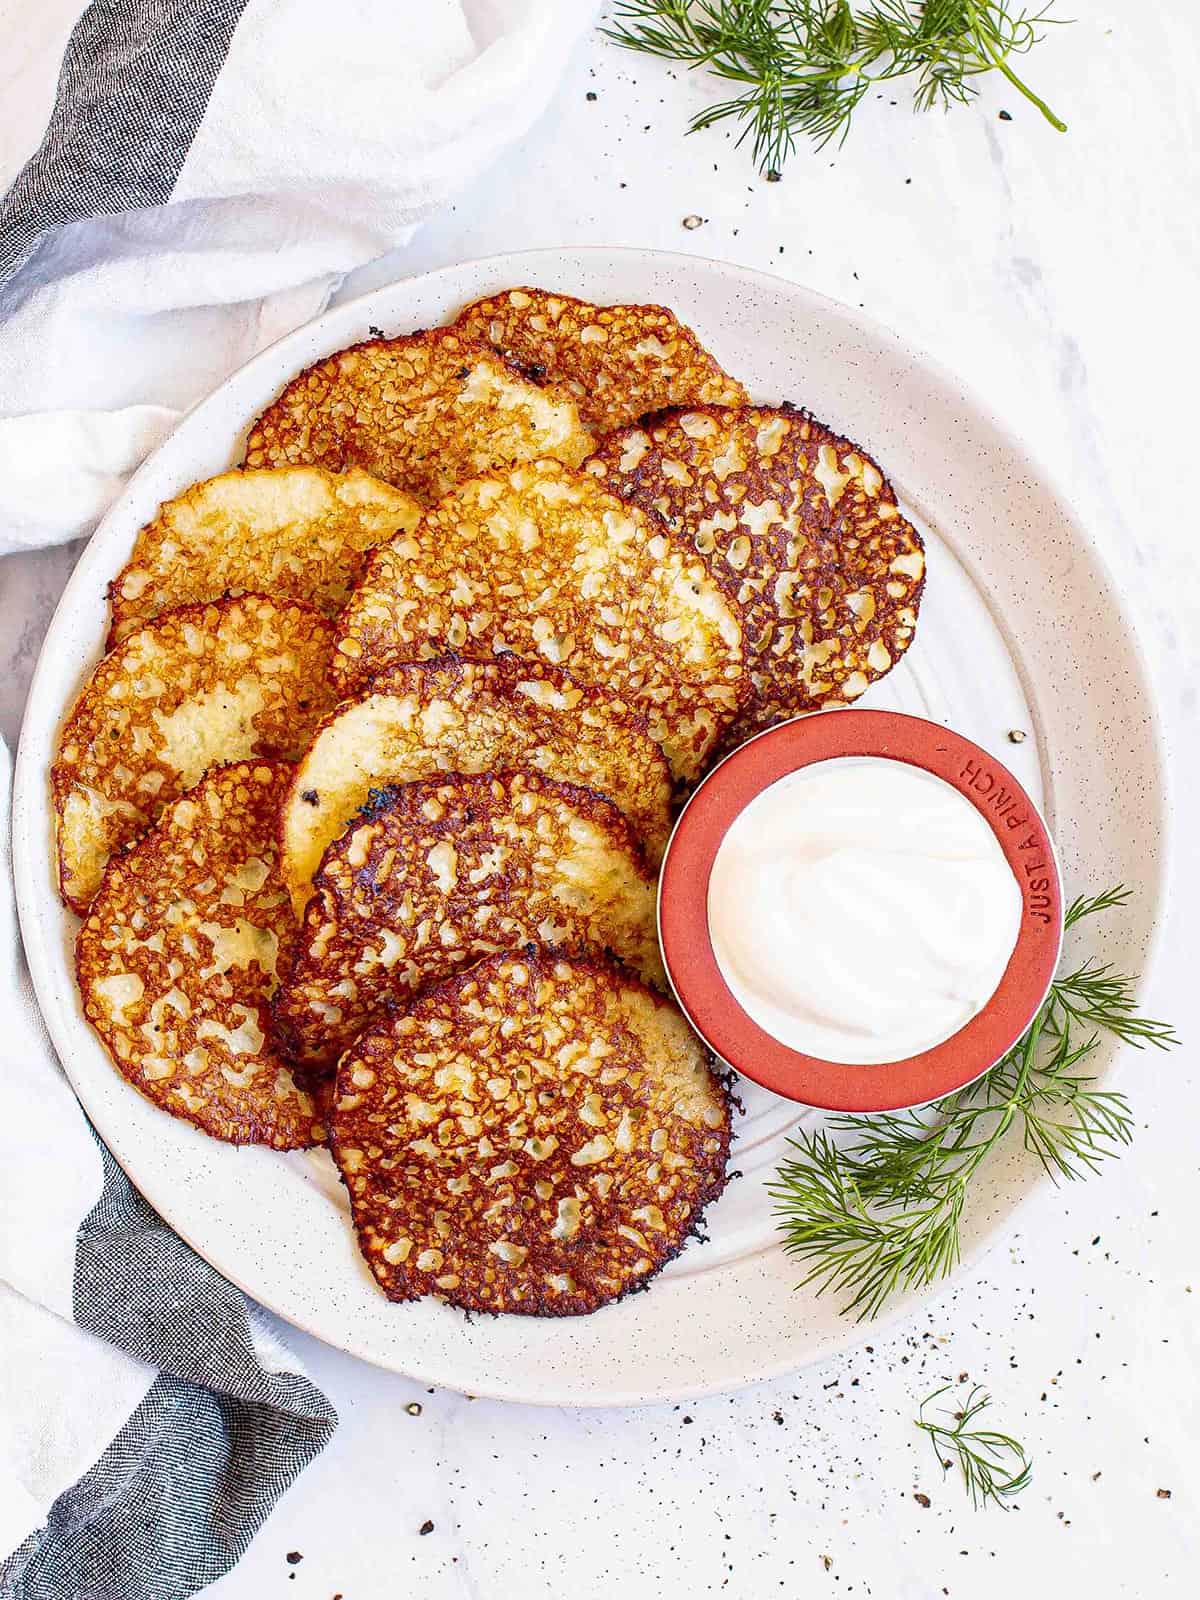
x,y
422,412
199,685
295,533
435,875
537,1135
177,959
543,562
429,718
618,361
800,527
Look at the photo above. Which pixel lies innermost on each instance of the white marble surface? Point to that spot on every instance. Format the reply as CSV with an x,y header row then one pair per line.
x,y
1059,276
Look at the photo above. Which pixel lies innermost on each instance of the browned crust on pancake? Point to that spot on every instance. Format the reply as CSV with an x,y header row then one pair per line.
x,y
295,533
434,876
422,411
474,717
800,526
197,686
618,361
543,562
537,1135
176,962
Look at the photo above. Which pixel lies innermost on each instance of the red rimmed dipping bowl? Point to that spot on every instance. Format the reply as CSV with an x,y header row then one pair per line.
x,y
691,963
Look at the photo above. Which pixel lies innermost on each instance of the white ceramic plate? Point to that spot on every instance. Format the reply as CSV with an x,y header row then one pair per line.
x,y
1020,628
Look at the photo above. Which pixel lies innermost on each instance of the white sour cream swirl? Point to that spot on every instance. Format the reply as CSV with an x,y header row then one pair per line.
x,y
861,910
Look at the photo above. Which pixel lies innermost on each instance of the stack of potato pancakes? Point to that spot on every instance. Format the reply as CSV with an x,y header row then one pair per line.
x,y
364,806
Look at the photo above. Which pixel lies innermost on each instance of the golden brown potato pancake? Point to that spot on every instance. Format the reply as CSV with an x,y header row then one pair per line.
x,y
177,961
800,527
545,563
197,686
434,876
619,362
423,412
295,533
538,1135
437,717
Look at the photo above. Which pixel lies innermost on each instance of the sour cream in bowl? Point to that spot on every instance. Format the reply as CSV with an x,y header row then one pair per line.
x,y
860,910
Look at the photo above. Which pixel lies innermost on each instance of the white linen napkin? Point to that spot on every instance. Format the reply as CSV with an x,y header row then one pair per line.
x,y
311,139
64,1394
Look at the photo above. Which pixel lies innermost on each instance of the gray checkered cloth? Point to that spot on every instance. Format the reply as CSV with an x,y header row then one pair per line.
x,y
175,1499
135,81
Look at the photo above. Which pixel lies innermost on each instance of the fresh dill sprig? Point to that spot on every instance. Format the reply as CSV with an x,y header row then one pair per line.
x,y
993,1465
874,1205
802,67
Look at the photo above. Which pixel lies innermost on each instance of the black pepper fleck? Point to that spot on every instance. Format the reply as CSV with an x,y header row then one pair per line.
x,y
1005,116
426,1527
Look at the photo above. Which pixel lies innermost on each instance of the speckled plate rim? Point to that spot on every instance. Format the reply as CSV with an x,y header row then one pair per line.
x,y
695,973
686,1338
